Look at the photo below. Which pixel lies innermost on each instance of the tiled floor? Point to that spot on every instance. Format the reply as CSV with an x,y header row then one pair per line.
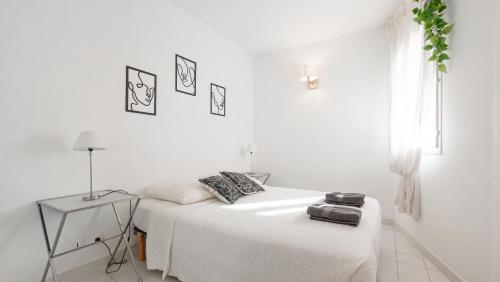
x,y
95,272
400,261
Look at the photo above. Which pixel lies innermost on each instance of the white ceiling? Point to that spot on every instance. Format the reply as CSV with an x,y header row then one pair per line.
x,y
265,25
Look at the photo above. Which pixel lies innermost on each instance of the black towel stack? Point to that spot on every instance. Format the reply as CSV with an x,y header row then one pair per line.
x,y
336,214
334,209
345,199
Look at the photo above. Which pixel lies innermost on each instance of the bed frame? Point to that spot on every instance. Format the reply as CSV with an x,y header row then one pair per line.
x,y
141,243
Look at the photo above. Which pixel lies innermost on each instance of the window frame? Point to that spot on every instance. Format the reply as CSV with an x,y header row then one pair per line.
x,y
438,149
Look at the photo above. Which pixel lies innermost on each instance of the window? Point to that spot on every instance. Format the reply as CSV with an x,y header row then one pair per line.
x,y
431,134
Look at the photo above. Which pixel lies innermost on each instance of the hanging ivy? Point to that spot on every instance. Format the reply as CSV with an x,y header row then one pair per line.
x,y
431,16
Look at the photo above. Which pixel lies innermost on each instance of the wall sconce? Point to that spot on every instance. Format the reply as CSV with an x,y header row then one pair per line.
x,y
310,76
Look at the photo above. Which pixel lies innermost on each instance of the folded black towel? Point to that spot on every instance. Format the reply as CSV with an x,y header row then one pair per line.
x,y
331,213
348,199
334,221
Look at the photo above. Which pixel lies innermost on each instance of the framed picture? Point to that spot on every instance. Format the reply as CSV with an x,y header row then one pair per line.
x,y
217,100
185,75
140,95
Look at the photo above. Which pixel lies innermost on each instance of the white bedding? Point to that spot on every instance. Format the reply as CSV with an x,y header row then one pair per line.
x,y
262,237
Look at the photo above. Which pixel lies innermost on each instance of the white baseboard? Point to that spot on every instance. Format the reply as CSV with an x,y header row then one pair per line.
x,y
98,261
443,267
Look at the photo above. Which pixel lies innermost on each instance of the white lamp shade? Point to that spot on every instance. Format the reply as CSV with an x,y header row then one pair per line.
x,y
252,148
309,73
89,140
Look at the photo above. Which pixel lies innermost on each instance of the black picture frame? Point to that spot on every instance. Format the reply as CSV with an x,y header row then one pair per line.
x,y
217,105
185,75
132,83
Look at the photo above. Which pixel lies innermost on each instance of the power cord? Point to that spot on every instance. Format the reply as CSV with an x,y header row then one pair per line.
x,y
113,191
113,262
122,260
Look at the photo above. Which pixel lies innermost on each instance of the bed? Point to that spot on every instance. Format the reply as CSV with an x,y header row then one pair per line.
x,y
262,237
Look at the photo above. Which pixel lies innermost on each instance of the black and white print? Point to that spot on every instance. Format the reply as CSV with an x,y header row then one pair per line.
x,y
185,75
245,184
140,96
221,188
217,100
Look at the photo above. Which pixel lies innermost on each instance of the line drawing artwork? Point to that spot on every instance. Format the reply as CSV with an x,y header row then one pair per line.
x,y
140,91
217,100
185,75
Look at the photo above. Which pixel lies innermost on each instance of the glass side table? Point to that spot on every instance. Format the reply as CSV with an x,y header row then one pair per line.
x,y
261,176
74,203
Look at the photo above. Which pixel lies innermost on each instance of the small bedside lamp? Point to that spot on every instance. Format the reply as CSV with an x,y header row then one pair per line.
x,y
89,141
252,149
310,75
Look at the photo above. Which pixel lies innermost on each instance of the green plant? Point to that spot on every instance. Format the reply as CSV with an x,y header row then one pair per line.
x,y
431,16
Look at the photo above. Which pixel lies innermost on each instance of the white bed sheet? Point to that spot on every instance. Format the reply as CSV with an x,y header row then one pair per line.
x,y
262,237
141,215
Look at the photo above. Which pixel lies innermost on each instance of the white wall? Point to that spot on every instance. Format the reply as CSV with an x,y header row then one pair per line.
x,y
495,220
63,70
456,187
335,138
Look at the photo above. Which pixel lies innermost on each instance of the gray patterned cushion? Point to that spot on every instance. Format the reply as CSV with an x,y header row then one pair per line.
x,y
222,188
245,184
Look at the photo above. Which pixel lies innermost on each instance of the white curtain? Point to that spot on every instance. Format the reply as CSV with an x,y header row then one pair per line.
x,y
407,63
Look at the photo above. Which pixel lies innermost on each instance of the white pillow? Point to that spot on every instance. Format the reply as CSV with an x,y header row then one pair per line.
x,y
185,192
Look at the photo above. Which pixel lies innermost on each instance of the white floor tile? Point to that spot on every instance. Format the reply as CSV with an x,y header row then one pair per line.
x,y
388,255
388,227
157,278
80,272
125,269
153,276
403,242
390,246
154,279
413,278
129,276
430,265
411,260
386,276
96,277
388,264
387,233
387,239
437,276
408,250
410,270
399,234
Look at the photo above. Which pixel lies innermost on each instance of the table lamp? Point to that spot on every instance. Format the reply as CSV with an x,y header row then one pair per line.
x,y
252,149
89,141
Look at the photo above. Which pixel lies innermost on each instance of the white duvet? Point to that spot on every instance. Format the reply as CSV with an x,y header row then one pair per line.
x,y
262,237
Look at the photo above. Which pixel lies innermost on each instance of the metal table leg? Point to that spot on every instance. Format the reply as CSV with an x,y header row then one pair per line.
x,y
51,251
267,178
123,236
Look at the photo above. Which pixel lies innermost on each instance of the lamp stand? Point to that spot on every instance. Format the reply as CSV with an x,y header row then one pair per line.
x,y
251,162
91,196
